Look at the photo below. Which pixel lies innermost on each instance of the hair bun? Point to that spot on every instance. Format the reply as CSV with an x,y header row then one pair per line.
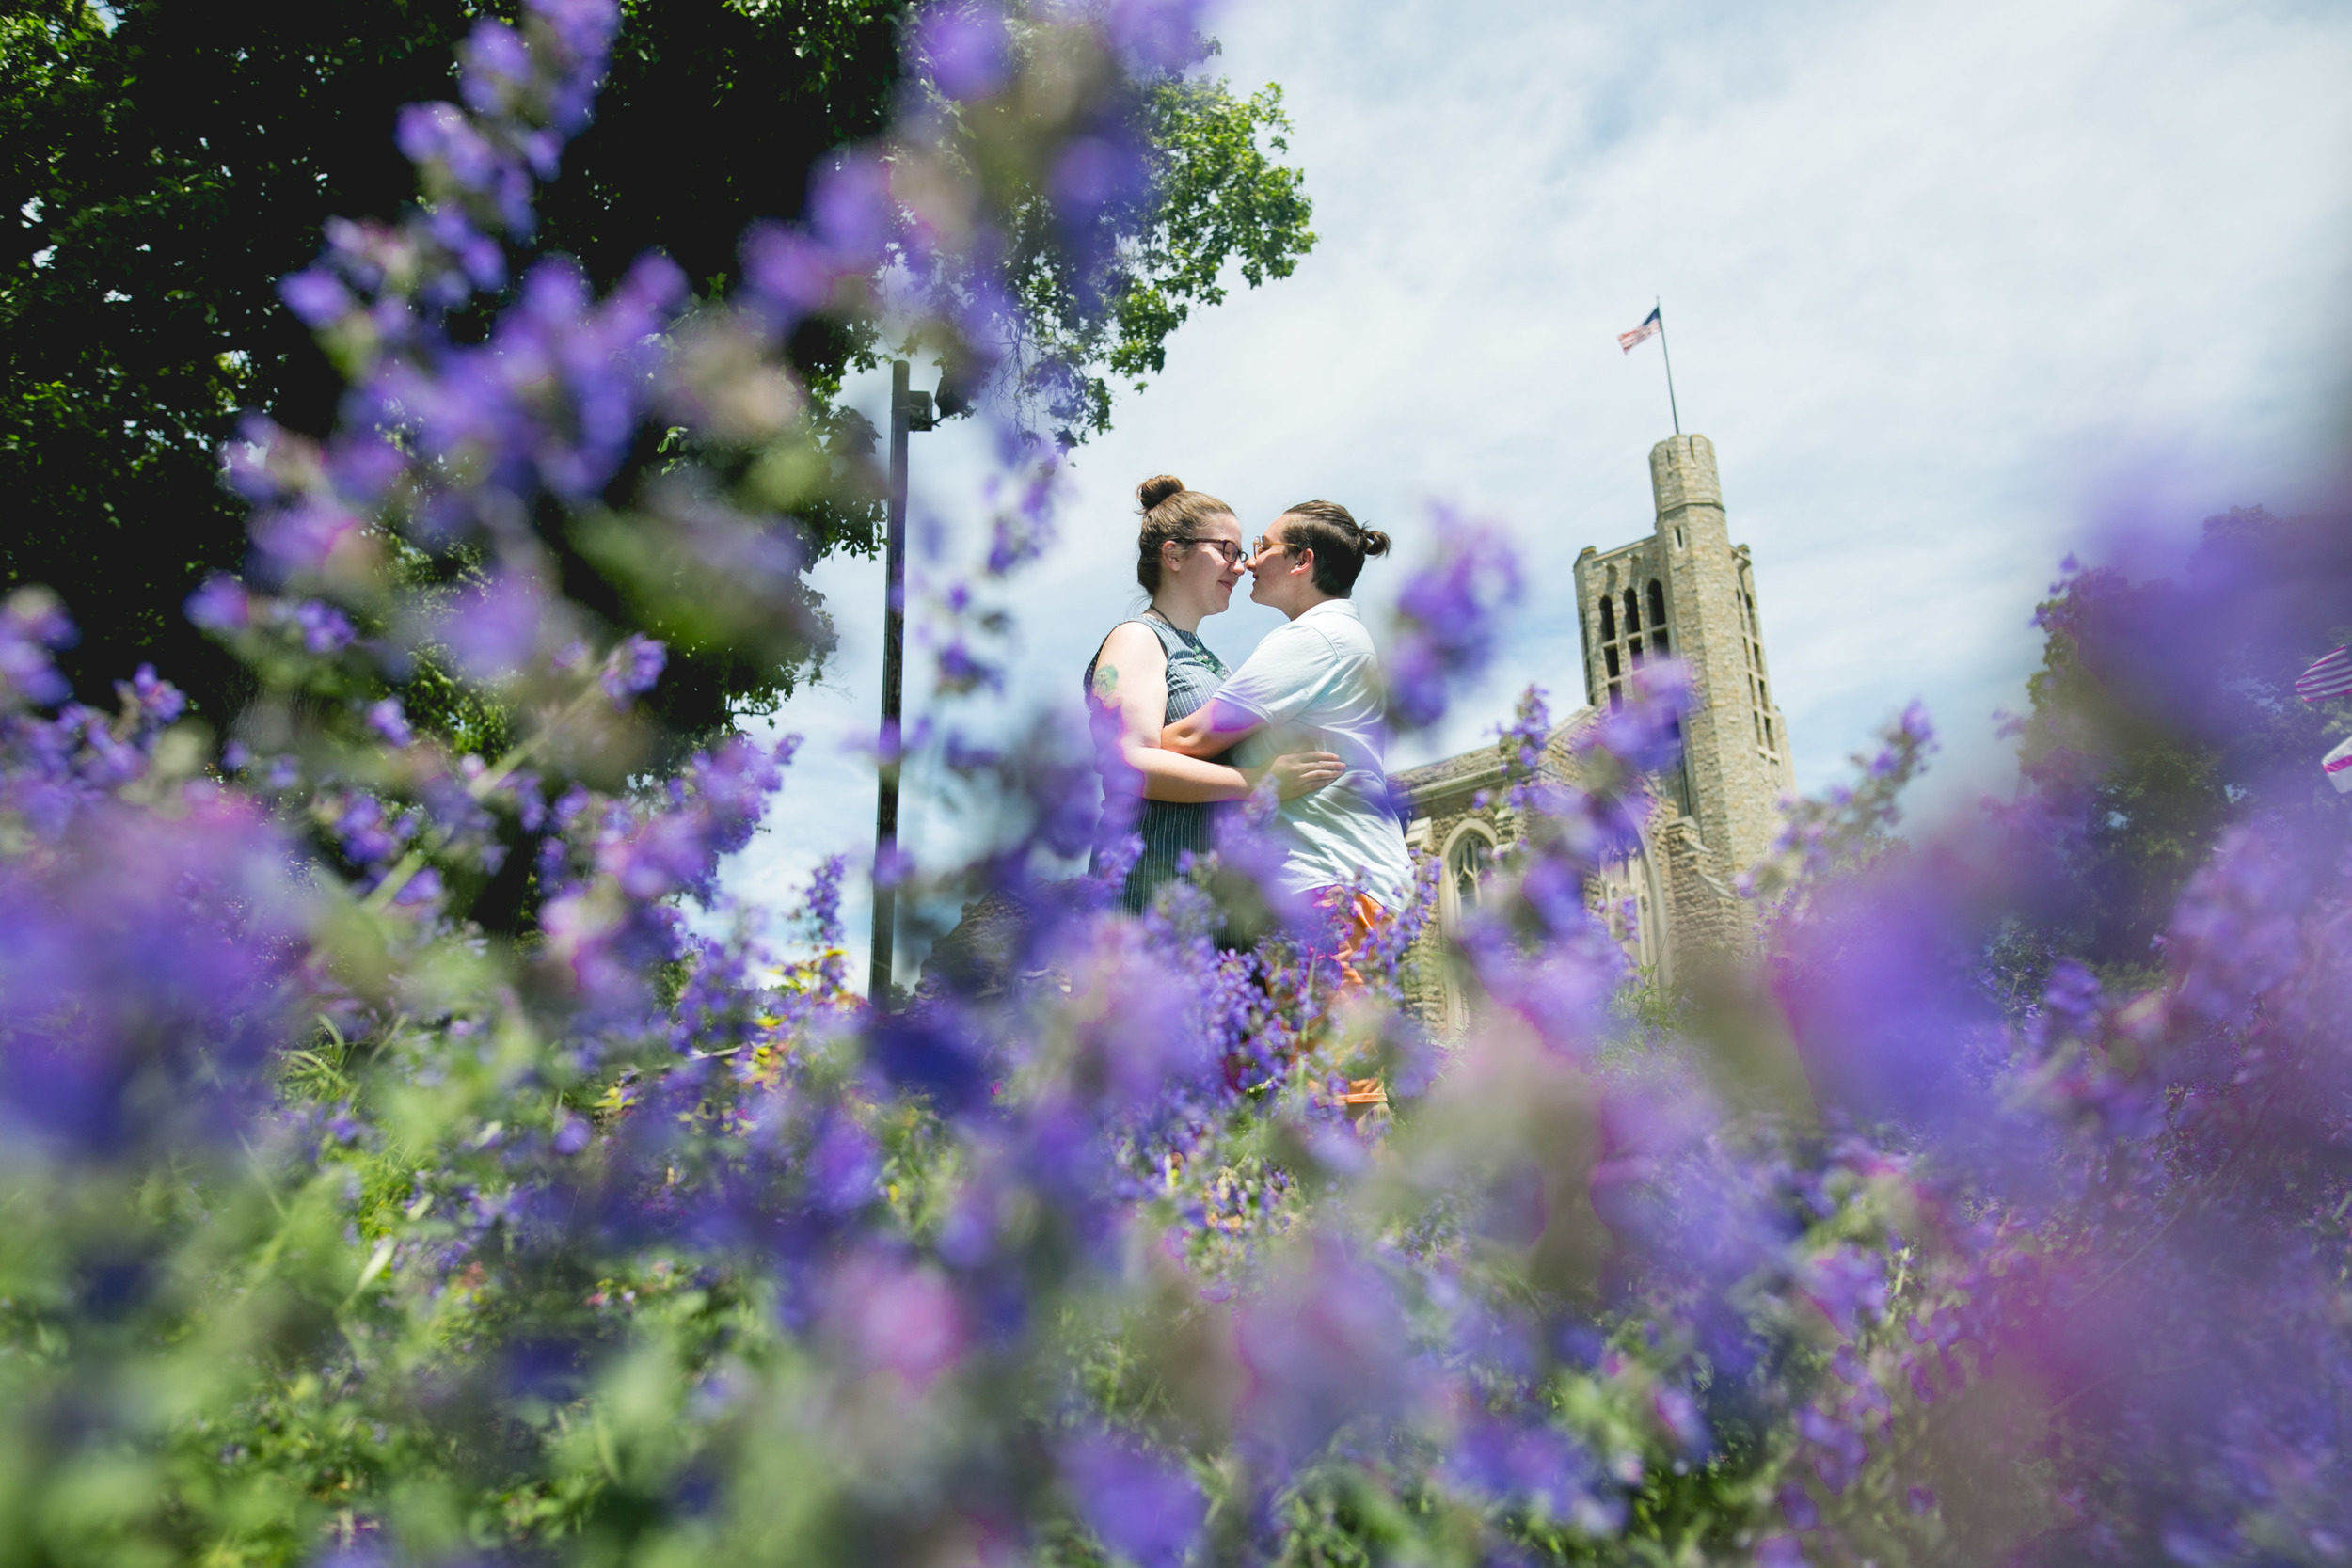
x,y
1375,542
1158,488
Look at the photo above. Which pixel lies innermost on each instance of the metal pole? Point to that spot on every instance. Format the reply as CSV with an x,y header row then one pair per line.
x,y
1671,406
886,751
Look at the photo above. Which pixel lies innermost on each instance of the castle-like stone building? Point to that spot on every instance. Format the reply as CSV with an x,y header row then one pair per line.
x,y
1683,591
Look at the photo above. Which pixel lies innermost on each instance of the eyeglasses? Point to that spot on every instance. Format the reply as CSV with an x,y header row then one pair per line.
x,y
1226,551
1267,542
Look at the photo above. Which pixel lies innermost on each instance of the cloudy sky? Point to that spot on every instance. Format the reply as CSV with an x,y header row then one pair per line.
x,y
1955,288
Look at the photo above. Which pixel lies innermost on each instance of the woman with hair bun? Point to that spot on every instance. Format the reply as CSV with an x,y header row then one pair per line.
x,y
1316,682
1153,669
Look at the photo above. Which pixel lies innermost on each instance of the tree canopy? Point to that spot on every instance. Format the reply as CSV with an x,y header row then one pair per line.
x,y
170,164
2155,762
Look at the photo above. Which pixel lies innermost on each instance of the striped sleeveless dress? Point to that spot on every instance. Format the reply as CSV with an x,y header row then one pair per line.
x,y
1168,828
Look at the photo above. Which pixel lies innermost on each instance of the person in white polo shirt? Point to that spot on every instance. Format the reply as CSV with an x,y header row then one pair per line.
x,y
1314,685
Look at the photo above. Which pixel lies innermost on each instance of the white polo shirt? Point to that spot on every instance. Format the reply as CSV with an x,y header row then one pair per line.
x,y
1315,685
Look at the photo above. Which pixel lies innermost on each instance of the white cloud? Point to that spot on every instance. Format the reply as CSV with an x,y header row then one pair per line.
x,y
1949,287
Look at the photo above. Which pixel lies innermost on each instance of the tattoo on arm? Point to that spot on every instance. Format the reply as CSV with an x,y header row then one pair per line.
x,y
1106,685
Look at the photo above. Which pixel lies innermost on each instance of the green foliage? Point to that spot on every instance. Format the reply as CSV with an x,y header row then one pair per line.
x,y
169,161
1226,200
2155,784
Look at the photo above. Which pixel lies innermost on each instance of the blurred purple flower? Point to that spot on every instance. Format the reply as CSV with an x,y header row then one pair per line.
x,y
851,210
1447,617
631,669
964,48
1094,173
325,630
1326,1346
844,1165
897,1317
1644,733
315,295
572,1133
302,539
1844,1285
389,722
2236,932
1678,1413
497,630
1535,1467
495,67
1147,1510
794,274
1156,37
146,981
33,624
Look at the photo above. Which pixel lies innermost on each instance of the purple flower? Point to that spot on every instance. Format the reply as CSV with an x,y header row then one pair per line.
x,y
32,624
1643,735
152,700
497,68
1844,1285
964,48
316,295
1324,1347
572,1133
497,630
1147,1510
1679,1415
146,978
361,831
851,210
793,273
304,539
1533,1467
1093,173
898,1317
844,1165
631,669
1447,618
325,630
1156,36
388,719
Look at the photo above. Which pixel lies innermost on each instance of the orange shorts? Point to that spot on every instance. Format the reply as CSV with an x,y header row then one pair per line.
x,y
1356,916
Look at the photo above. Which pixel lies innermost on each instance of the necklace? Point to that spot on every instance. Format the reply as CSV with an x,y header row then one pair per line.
x,y
1156,610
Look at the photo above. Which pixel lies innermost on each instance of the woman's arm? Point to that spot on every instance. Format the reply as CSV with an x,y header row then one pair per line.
x,y
1131,687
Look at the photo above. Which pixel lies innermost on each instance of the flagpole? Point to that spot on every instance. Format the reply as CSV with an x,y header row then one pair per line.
x,y
1672,406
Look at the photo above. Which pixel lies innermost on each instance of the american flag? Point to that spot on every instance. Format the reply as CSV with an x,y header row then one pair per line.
x,y
2331,677
2337,764
1639,334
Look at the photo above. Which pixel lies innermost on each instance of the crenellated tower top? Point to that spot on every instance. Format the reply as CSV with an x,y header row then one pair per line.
x,y
1685,592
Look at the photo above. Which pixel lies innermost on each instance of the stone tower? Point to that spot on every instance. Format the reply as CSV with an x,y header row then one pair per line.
x,y
1683,591
1687,591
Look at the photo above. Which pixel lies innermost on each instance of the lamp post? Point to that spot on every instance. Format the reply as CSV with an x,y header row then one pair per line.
x,y
910,411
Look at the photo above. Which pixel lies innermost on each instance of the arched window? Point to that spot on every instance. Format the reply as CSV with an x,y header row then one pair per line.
x,y
1632,903
1469,870
1469,858
1627,639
